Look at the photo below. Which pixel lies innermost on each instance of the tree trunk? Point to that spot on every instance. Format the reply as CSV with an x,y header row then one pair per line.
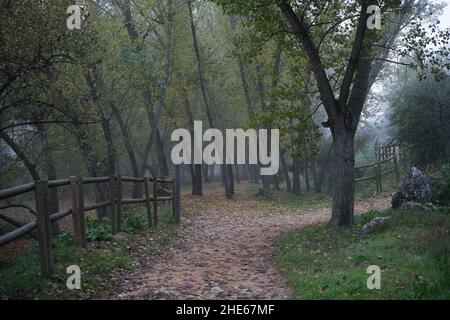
x,y
285,173
205,173
266,185
276,181
28,163
238,176
212,172
306,174
162,159
31,167
226,181
315,177
250,173
256,173
191,173
50,170
110,149
230,178
243,75
197,182
261,92
343,184
95,168
137,191
53,200
200,67
125,8
296,188
244,172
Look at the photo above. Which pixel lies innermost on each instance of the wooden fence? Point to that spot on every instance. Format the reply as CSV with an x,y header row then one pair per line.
x,y
378,173
115,202
386,151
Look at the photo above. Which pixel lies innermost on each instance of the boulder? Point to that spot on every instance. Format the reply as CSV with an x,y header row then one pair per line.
x,y
374,224
416,187
411,205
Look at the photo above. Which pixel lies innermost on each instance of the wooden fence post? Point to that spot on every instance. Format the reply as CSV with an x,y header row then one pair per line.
x,y
148,201
112,197
155,201
378,174
79,230
119,204
43,225
396,169
81,212
176,188
174,214
375,175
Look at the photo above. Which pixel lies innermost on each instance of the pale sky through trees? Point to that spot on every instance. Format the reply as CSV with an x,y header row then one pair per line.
x,y
445,18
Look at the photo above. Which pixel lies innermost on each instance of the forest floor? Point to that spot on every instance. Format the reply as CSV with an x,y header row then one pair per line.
x,y
224,249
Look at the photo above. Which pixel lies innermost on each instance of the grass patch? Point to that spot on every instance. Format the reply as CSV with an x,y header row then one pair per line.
x,y
20,278
306,200
412,252
366,189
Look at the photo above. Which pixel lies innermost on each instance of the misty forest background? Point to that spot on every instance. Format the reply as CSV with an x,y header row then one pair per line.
x,y
104,100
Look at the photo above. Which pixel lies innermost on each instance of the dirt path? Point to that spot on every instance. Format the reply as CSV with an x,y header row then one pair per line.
x,y
225,250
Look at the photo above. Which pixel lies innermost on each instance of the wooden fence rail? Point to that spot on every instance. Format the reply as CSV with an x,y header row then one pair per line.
x,y
378,174
115,202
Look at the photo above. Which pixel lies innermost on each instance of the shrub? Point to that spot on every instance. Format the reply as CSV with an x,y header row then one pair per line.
x,y
97,230
133,222
368,216
64,238
441,180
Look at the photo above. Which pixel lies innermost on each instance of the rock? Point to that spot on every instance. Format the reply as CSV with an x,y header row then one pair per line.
x,y
374,224
212,288
416,187
216,290
119,237
411,205
397,200
169,293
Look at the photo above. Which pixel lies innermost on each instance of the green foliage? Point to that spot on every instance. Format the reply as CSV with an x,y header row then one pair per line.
x,y
412,252
369,215
441,180
97,230
137,220
21,279
165,215
134,221
420,119
11,170
336,40
65,238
